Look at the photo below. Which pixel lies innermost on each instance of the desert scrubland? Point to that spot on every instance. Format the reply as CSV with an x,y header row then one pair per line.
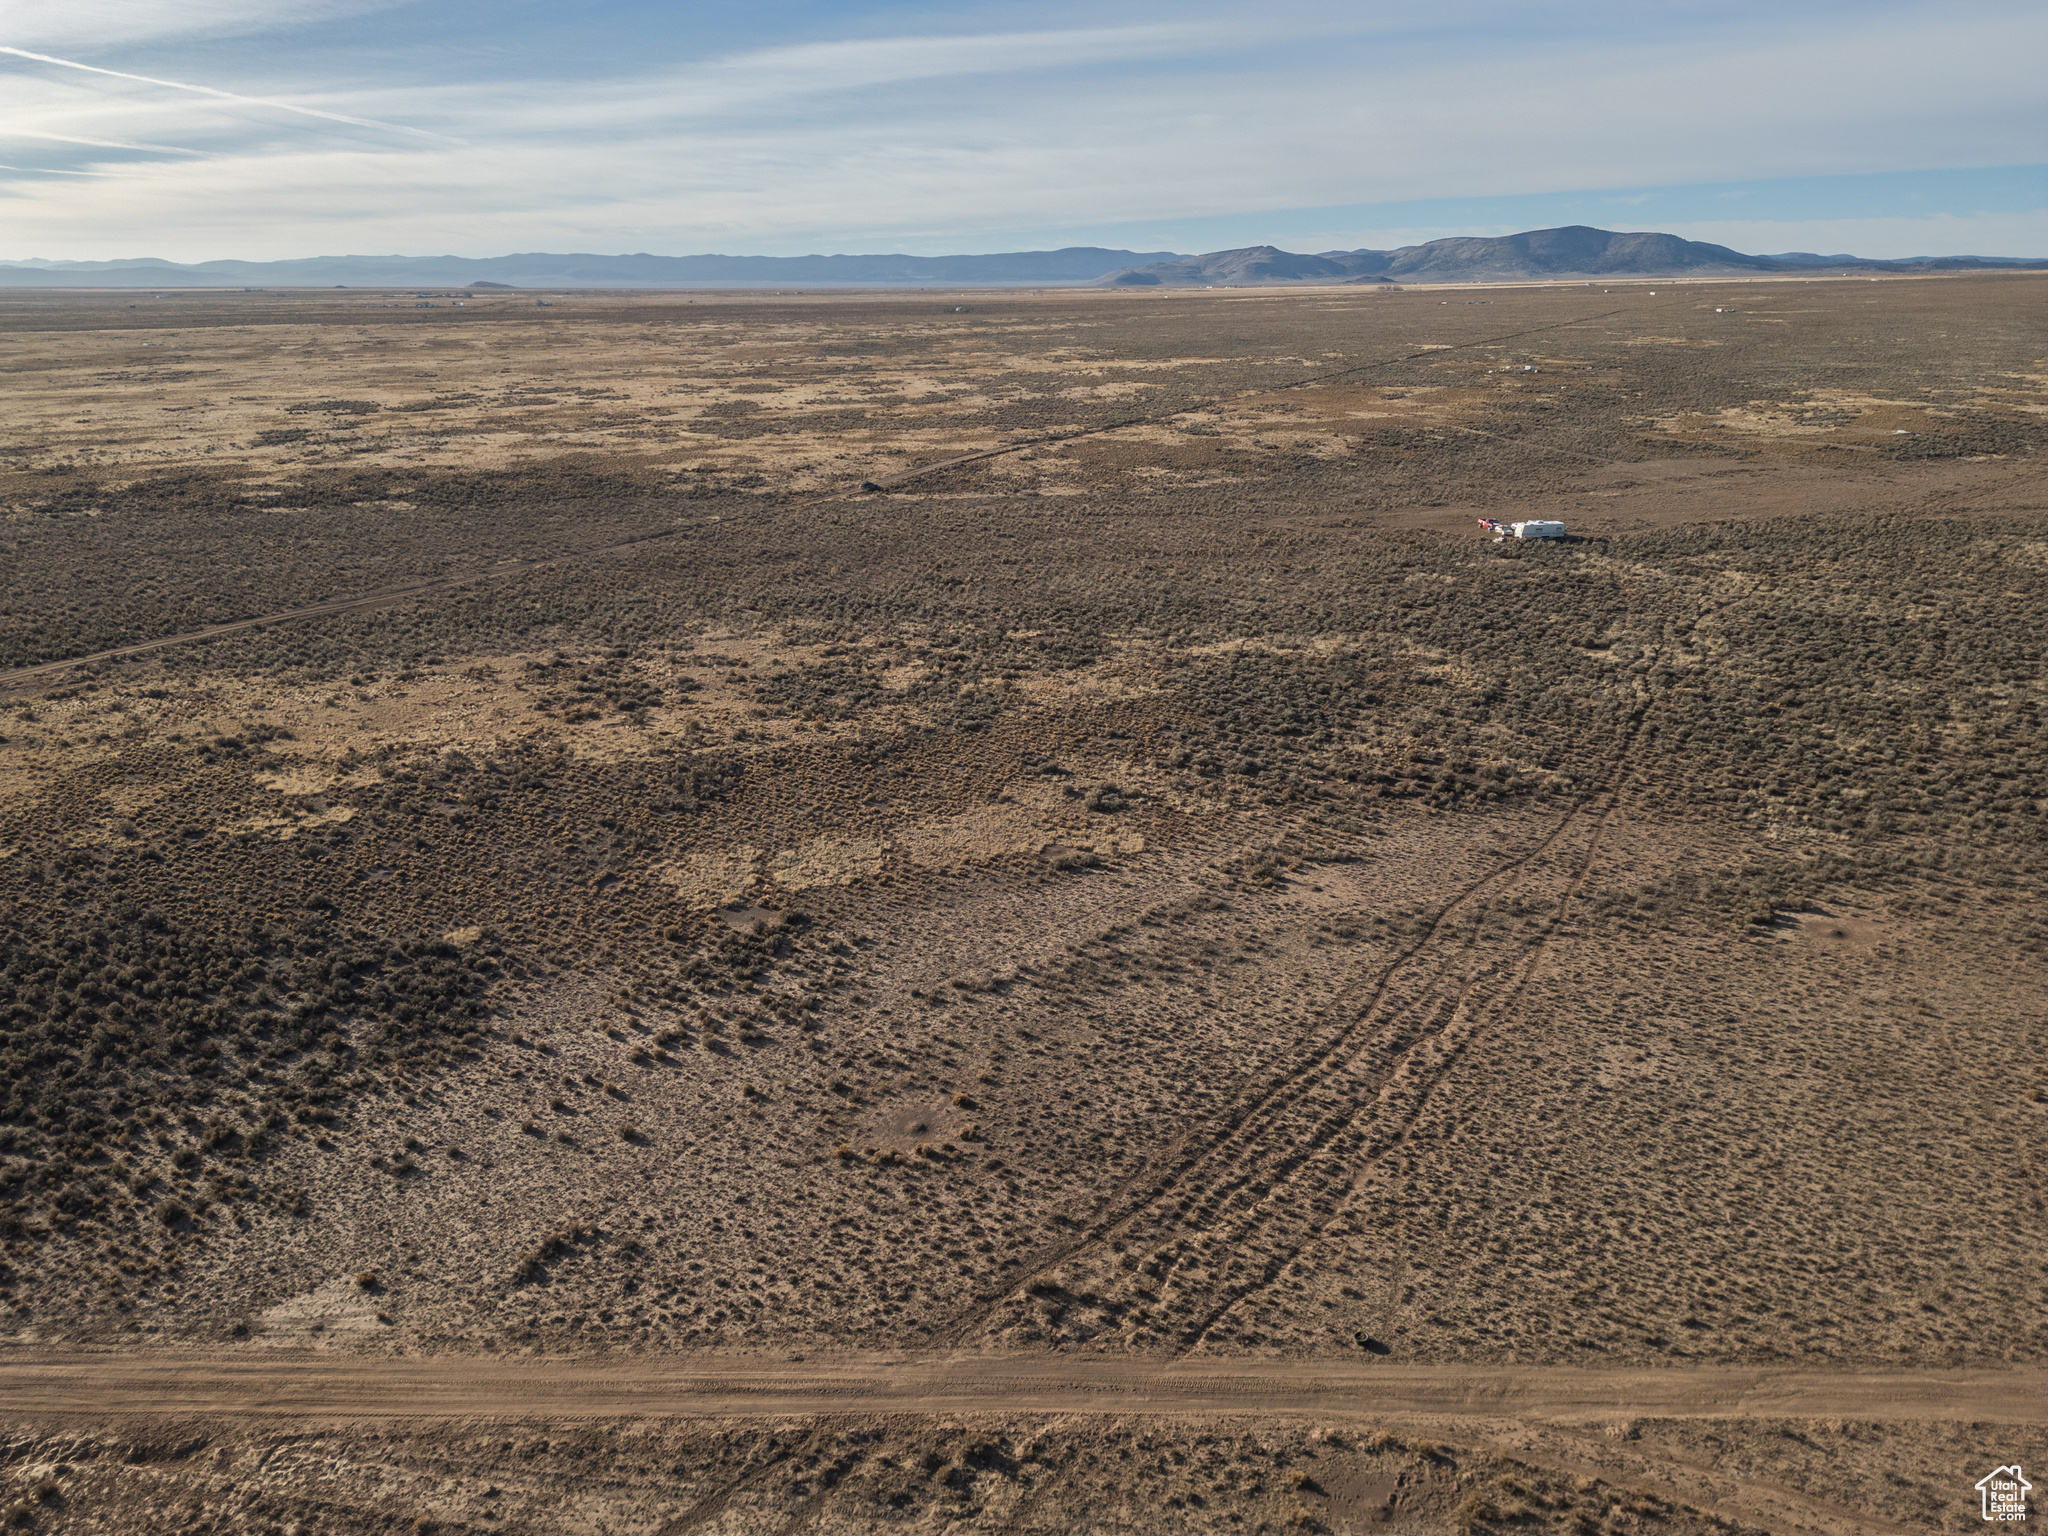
x,y
1168,894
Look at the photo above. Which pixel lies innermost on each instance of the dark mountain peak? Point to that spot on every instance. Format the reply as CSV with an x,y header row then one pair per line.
x,y
1570,251
1250,264
1576,250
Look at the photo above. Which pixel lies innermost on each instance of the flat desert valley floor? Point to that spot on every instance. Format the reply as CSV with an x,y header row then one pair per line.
x,y
569,968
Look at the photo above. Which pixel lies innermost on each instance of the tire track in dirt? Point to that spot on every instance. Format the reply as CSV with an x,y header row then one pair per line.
x,y
1738,1498
1520,970
1421,1065
364,602
1409,1036
1418,1021
1258,1119
1523,969
709,1509
1253,1118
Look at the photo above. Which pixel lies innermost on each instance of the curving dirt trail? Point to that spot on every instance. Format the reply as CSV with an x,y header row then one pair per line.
x,y
1289,1165
362,602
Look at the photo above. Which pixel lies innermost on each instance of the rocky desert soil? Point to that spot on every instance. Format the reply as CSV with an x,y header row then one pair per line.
x,y
567,967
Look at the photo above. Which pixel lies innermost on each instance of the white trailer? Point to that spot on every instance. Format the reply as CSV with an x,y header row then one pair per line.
x,y
1530,530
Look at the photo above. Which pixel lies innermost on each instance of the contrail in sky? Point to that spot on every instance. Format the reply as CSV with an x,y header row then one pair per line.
x,y
72,138
207,90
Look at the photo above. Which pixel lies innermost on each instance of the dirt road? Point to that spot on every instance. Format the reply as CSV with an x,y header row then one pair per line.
x,y
385,597
360,603
329,1388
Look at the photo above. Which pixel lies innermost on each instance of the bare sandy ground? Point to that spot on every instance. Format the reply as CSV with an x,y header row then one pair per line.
x,y
338,1389
888,1442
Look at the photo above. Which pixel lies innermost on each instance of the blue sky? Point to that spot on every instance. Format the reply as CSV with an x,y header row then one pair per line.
x,y
275,128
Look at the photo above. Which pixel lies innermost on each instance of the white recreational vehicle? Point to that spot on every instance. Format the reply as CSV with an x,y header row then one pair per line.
x,y
1532,530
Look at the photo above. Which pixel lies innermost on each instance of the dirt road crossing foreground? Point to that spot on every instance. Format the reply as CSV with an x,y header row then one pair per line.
x,y
278,1385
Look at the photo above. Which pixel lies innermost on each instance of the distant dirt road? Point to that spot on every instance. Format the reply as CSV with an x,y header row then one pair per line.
x,y
362,602
355,604
385,597
291,1385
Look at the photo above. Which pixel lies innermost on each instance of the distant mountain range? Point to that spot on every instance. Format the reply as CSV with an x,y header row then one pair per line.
x,y
1573,252
1075,264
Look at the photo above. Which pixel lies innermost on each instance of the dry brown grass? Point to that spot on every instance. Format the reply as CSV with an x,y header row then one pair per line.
x,y
1181,893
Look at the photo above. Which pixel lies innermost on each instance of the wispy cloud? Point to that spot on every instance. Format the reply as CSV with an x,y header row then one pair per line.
x,y
9,132
1028,136
1999,234
220,95
777,75
844,77
101,23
